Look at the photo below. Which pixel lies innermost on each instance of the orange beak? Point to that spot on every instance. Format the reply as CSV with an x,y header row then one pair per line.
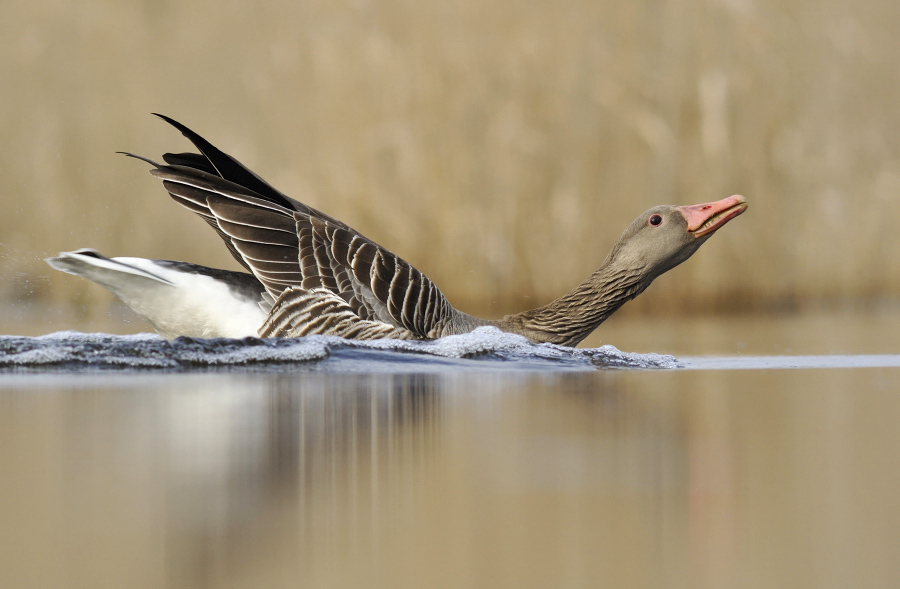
x,y
709,217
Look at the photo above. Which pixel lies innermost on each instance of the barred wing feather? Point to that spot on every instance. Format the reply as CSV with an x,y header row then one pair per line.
x,y
290,246
299,312
386,286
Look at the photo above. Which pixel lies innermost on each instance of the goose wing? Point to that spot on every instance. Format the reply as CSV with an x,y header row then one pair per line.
x,y
260,234
289,245
376,284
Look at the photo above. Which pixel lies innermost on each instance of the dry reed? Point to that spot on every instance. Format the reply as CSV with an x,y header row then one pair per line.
x,y
500,146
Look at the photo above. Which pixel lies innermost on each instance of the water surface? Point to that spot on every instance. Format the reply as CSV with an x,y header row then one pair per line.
x,y
732,470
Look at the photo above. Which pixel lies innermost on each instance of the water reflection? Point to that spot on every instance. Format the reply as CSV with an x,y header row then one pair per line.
x,y
196,467
289,455
684,478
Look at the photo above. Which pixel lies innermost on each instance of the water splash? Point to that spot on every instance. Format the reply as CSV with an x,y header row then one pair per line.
x,y
484,348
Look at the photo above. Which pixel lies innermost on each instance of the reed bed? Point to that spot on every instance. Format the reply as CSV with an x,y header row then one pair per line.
x,y
499,146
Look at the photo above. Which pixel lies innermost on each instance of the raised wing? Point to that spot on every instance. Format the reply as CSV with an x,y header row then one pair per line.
x,y
259,233
289,245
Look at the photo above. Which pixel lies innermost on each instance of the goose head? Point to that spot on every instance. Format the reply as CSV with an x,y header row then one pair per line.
x,y
667,235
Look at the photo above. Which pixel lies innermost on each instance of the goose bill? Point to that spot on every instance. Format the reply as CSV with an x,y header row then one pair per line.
x,y
707,218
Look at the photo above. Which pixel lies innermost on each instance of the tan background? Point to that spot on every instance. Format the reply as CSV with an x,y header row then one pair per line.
x,y
500,146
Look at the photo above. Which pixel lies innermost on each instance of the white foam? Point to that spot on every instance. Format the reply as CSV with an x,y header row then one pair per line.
x,y
484,347
491,341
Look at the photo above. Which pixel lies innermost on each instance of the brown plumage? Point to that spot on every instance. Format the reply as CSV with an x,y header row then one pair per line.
x,y
326,278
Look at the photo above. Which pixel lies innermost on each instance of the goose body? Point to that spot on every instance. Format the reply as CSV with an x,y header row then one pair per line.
x,y
326,278
176,298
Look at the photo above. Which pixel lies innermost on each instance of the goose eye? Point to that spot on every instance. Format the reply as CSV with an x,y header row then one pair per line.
x,y
655,220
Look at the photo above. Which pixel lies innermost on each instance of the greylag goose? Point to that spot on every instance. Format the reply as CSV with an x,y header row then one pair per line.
x,y
326,278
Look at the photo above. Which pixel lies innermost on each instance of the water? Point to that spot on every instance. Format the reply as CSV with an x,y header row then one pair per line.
x,y
476,462
486,348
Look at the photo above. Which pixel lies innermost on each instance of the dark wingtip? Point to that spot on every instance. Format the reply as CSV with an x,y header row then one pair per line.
x,y
228,168
217,158
169,120
184,130
140,157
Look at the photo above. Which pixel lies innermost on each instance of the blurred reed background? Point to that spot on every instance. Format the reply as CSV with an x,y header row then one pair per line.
x,y
499,146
